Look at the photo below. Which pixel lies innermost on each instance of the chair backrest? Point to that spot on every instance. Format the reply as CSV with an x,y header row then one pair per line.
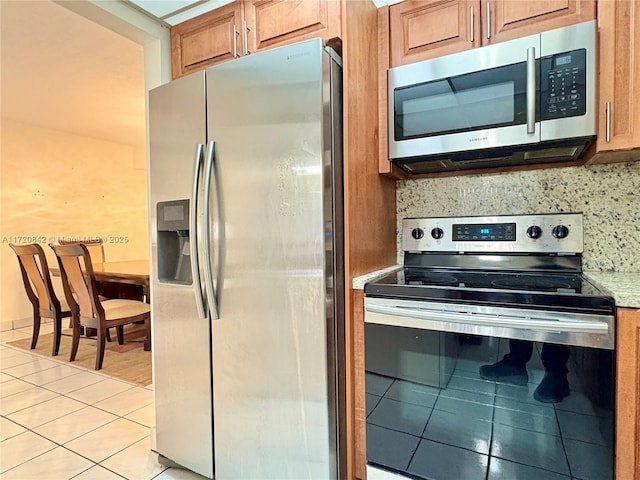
x,y
77,275
95,248
35,275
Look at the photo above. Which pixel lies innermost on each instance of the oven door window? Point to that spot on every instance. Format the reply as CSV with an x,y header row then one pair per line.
x,y
435,409
474,101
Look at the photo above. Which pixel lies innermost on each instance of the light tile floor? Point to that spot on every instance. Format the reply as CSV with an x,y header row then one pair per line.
x,y
62,422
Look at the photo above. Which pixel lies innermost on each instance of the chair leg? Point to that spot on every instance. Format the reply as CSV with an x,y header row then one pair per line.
x,y
147,330
77,330
108,335
102,333
36,327
120,333
57,333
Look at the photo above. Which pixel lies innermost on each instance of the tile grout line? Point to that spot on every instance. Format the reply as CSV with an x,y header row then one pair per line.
x,y
65,395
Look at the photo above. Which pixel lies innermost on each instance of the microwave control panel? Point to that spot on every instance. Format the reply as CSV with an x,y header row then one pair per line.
x,y
564,84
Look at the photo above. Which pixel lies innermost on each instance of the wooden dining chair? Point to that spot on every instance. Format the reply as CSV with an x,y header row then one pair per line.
x,y
95,248
79,282
37,283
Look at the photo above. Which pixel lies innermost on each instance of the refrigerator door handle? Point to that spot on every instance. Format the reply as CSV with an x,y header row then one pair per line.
x,y
206,236
193,229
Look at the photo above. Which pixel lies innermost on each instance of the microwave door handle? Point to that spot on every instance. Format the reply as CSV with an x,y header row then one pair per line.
x,y
531,90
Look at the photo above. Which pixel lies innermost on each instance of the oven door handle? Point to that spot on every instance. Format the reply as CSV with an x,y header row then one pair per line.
x,y
476,319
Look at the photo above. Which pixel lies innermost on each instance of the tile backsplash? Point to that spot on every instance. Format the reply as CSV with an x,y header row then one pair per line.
x,y
607,195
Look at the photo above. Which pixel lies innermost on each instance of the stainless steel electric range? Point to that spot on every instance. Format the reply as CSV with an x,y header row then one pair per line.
x,y
489,355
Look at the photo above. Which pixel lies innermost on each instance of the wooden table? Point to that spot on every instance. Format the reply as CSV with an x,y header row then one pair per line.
x,y
119,274
114,277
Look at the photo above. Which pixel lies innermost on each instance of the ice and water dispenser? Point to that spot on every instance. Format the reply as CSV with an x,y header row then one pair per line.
x,y
174,261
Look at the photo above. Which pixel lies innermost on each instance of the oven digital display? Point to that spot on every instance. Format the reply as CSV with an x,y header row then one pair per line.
x,y
487,232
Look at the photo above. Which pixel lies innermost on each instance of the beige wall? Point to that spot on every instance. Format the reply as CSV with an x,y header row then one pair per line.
x,y
55,184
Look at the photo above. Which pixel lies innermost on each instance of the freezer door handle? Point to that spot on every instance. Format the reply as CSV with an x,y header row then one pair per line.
x,y
206,236
193,233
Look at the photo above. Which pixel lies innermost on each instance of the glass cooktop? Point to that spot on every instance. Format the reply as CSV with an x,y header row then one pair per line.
x,y
548,290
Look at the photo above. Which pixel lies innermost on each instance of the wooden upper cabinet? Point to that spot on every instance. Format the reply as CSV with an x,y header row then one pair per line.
x,y
206,40
273,23
508,19
619,76
248,26
423,29
416,30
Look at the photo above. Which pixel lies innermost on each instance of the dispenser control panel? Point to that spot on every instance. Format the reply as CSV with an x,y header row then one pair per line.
x,y
173,215
174,265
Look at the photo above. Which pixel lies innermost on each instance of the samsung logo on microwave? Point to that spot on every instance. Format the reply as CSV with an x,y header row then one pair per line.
x,y
479,139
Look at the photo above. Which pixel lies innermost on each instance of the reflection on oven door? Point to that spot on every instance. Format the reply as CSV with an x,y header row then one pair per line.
x,y
430,414
421,356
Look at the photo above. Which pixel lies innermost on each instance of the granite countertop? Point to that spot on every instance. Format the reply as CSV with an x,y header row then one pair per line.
x,y
623,287
358,282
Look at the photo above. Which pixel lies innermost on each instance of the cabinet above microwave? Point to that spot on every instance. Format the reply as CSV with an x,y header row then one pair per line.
x,y
526,101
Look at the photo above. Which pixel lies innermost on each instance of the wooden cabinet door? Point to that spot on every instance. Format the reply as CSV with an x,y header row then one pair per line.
x,y
423,29
206,40
619,76
359,402
271,23
628,394
508,19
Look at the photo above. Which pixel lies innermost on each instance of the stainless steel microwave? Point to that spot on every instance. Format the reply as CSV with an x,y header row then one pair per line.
x,y
526,101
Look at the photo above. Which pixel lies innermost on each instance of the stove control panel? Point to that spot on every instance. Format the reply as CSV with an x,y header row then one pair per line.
x,y
544,233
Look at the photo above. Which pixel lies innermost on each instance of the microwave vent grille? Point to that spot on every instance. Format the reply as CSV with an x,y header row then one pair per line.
x,y
549,153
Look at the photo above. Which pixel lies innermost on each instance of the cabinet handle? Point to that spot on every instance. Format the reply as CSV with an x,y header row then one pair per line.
x,y
608,123
235,42
246,37
488,20
472,22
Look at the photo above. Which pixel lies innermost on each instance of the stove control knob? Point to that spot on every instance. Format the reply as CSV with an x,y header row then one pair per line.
x,y
560,231
534,231
417,233
437,233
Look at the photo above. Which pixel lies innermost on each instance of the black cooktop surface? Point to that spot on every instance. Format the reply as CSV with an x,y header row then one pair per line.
x,y
546,290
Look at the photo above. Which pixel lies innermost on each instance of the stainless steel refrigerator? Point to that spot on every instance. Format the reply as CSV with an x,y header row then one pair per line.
x,y
247,277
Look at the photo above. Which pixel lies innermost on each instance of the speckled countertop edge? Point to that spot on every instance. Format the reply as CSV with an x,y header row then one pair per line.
x,y
623,287
358,282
